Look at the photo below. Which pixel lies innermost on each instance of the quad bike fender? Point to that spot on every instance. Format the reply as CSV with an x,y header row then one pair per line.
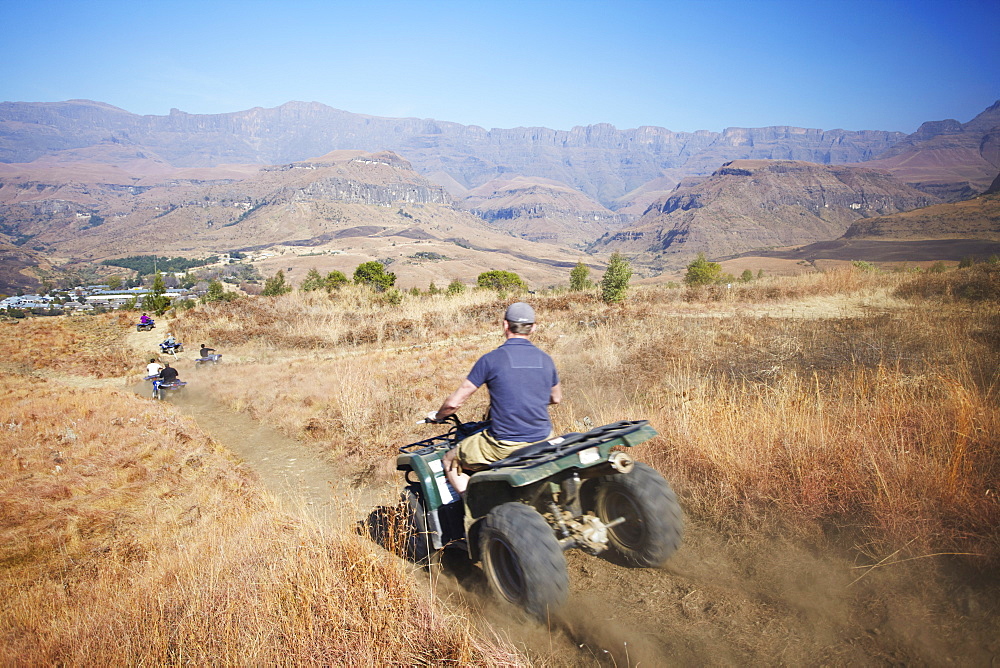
x,y
427,471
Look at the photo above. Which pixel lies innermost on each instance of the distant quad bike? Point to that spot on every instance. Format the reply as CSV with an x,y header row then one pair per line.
x,y
145,326
521,514
207,359
171,348
161,390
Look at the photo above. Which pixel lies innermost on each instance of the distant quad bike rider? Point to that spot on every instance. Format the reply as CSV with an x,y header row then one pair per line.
x,y
168,374
154,367
170,344
145,323
522,382
207,354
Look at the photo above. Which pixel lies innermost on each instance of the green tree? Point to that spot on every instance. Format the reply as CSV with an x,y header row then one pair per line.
x,y
456,287
614,284
746,276
579,277
702,272
276,285
312,281
114,282
156,300
335,280
500,280
216,292
374,275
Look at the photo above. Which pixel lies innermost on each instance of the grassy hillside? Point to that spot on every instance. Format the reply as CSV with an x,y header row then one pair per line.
x,y
855,411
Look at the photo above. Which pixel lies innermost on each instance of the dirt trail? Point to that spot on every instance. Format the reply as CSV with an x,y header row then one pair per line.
x,y
722,600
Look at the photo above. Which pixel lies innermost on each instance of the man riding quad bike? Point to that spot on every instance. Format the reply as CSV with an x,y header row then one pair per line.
x,y
519,515
171,345
166,380
145,323
514,495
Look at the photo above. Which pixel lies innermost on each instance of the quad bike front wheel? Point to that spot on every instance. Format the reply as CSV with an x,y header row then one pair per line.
x,y
523,562
654,523
417,540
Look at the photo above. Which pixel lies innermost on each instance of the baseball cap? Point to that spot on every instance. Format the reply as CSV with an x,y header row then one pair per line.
x,y
520,312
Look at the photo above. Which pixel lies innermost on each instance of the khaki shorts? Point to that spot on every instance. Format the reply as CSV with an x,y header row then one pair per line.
x,y
476,452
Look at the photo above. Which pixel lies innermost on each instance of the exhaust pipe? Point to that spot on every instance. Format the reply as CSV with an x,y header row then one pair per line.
x,y
621,462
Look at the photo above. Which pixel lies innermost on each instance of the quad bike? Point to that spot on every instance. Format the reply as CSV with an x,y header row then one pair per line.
x,y
523,512
171,348
161,389
207,359
145,326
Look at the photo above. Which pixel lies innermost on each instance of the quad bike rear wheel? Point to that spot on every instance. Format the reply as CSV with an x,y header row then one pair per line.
x,y
653,524
523,562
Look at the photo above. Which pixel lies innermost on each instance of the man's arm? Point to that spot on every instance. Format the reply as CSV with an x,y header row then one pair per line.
x,y
457,398
556,395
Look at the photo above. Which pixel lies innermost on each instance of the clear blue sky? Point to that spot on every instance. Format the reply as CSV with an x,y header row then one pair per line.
x,y
875,64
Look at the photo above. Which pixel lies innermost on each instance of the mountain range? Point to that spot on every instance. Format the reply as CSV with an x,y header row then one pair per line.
x,y
82,181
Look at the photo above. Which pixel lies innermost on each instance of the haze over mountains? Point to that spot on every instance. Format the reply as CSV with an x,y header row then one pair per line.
x,y
84,180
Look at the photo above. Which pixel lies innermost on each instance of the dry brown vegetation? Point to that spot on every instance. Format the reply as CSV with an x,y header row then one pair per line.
x,y
816,402
850,409
129,538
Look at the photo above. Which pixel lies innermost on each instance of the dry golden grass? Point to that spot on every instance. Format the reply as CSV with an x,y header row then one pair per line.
x,y
91,345
881,420
129,538
874,418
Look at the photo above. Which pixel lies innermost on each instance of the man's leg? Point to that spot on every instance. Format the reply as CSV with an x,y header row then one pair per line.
x,y
458,478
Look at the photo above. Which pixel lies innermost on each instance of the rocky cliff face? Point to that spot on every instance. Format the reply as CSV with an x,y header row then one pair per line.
x,y
751,204
599,160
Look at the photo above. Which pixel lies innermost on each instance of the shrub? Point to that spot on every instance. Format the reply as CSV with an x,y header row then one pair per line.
x,y
374,275
276,285
614,284
702,272
456,287
335,280
312,281
500,280
579,277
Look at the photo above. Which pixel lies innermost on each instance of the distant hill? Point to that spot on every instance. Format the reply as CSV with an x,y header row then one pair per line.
x,y
541,210
949,159
976,218
751,204
357,205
